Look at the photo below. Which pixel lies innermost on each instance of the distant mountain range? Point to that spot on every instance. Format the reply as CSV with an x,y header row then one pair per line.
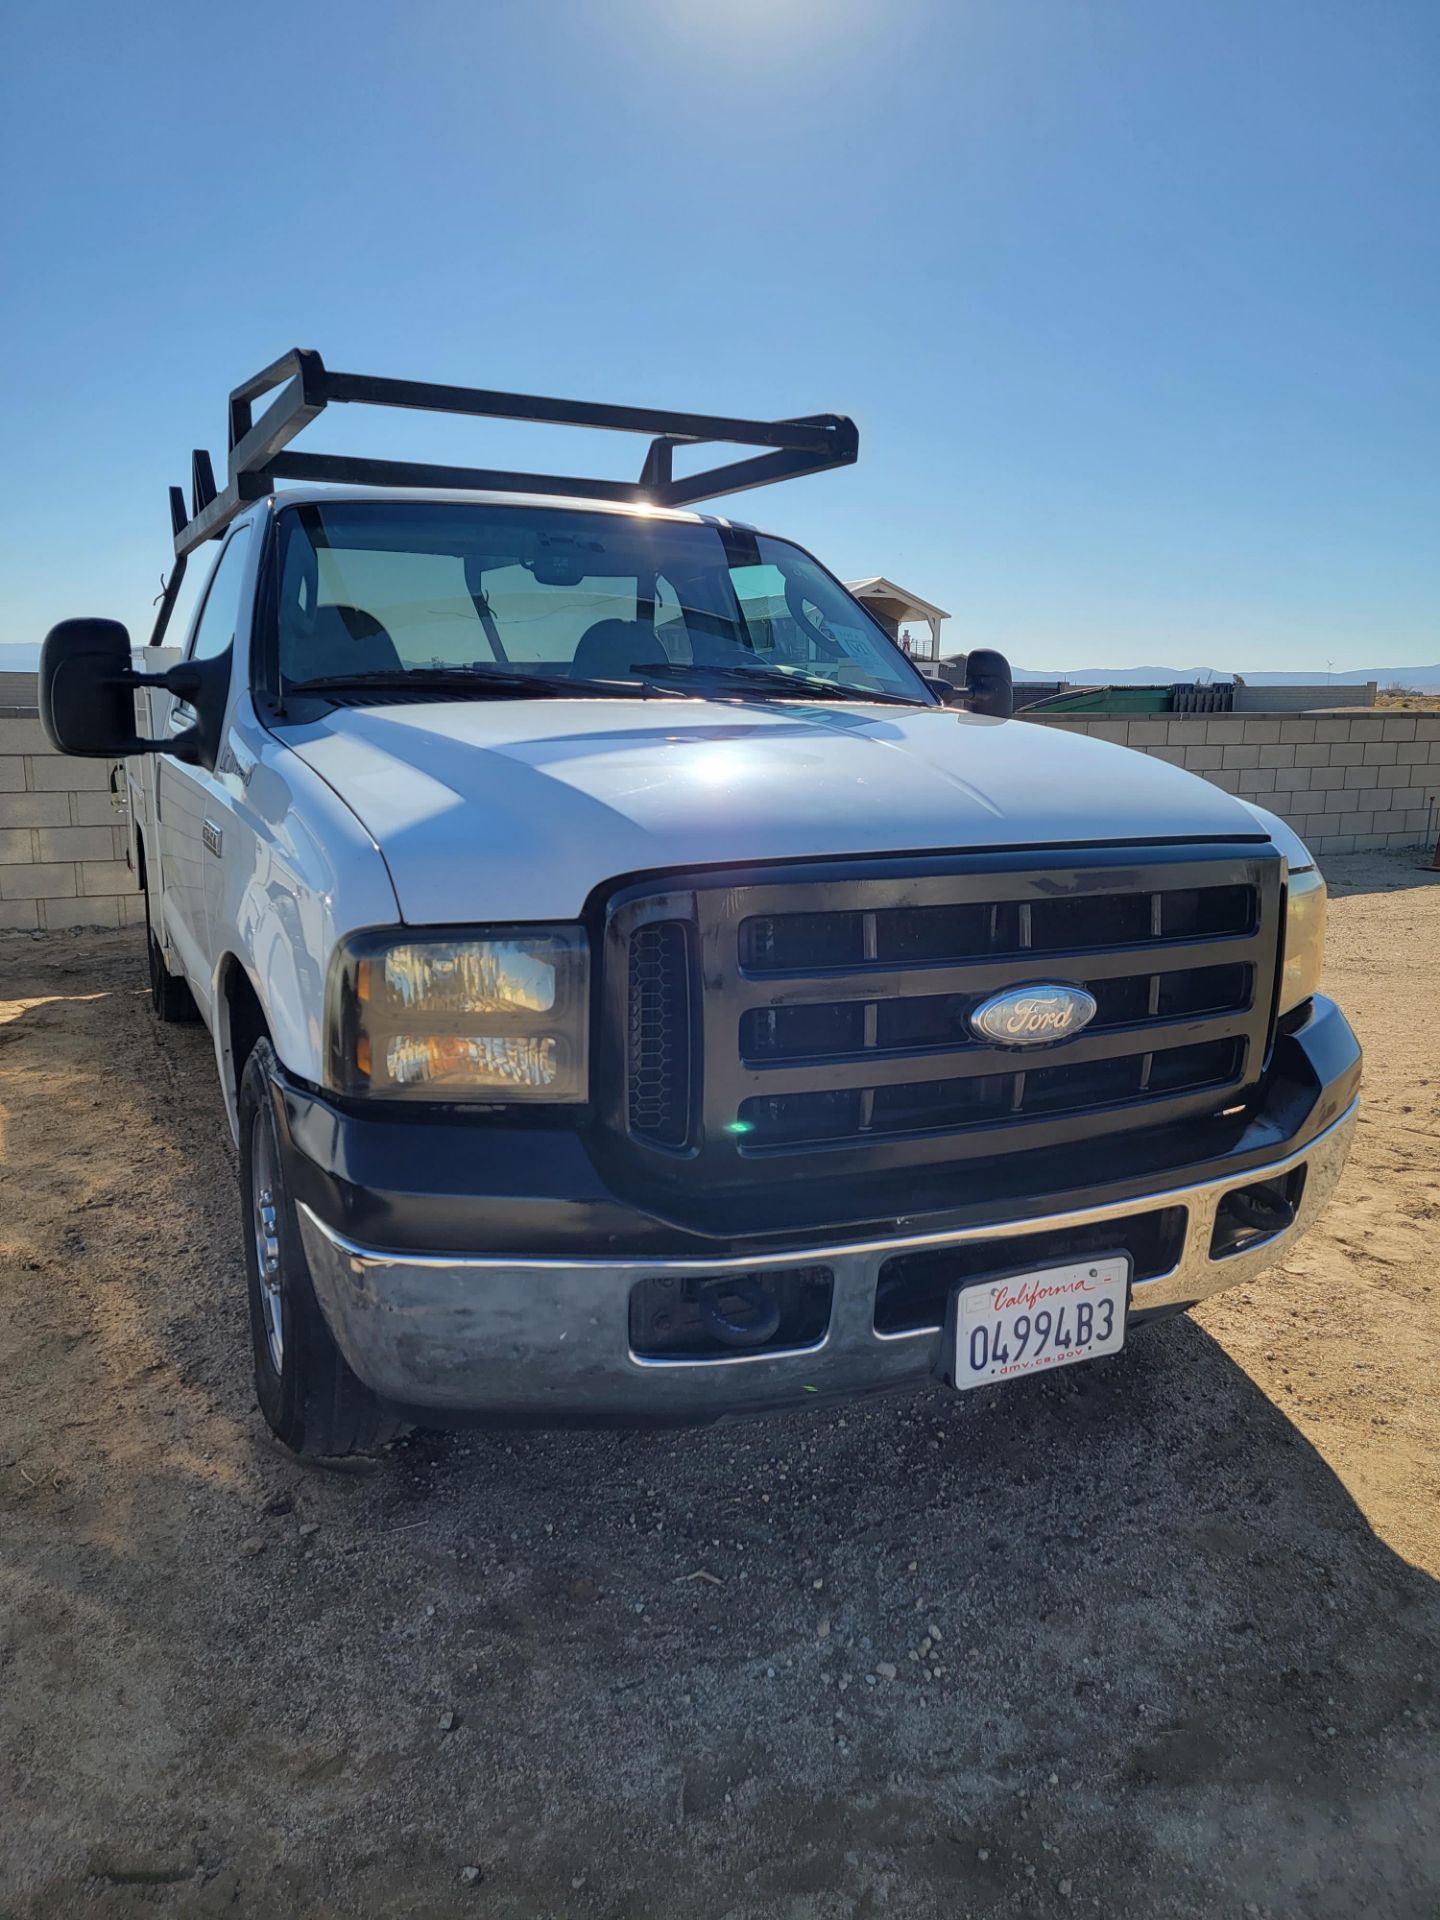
x,y
1420,679
24,656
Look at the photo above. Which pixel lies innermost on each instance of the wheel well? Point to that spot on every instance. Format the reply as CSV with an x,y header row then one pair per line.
x,y
245,1023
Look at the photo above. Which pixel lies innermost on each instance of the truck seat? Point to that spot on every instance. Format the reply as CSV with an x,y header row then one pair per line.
x,y
348,640
609,649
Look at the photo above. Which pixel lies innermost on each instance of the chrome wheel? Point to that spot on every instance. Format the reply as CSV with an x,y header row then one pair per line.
x,y
267,1242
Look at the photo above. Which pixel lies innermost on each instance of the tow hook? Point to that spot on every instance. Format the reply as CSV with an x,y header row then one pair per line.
x,y
740,1312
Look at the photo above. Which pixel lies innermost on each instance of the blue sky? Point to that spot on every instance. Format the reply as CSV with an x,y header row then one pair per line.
x,y
1136,302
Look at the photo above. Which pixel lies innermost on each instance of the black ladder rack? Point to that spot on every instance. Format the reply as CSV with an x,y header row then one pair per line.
x,y
259,456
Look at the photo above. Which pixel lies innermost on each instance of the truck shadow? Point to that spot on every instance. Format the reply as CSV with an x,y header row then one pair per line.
x,y
1115,1617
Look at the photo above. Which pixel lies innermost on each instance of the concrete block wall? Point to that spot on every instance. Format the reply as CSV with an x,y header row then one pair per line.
x,y
1346,782
62,832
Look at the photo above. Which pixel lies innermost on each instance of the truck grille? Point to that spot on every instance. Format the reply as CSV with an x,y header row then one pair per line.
x,y
836,1002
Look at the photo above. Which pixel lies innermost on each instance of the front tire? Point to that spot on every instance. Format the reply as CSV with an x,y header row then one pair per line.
x,y
310,1398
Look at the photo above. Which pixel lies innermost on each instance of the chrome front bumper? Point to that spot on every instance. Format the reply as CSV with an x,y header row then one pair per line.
x,y
549,1339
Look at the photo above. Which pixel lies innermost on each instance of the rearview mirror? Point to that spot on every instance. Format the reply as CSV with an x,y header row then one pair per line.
x,y
87,704
87,695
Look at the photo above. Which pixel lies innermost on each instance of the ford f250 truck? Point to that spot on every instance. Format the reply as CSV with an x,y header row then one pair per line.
x,y
638,995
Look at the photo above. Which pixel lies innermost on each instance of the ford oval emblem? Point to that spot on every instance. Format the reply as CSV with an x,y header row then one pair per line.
x,y
1033,1016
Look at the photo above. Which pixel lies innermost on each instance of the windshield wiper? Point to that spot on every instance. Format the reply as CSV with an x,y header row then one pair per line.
x,y
767,679
478,680
499,682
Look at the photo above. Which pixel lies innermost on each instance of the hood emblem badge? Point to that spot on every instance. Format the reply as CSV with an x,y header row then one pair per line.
x,y
1033,1016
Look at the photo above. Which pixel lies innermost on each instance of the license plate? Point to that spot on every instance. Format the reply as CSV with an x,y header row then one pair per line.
x,y
1028,1322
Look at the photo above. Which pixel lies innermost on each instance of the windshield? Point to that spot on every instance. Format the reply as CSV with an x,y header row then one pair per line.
x,y
377,587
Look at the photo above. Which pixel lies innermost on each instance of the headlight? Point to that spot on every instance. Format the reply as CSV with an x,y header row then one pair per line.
x,y
1304,937
493,1017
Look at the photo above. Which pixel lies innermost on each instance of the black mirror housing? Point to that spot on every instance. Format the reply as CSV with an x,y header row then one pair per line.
x,y
989,685
87,695
87,701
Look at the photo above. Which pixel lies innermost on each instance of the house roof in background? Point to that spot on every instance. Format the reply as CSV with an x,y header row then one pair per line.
x,y
877,587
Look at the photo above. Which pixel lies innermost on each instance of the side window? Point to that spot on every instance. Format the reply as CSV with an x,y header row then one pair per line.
x,y
221,612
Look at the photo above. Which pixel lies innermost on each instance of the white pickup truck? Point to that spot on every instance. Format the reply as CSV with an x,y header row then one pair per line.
x,y
637,994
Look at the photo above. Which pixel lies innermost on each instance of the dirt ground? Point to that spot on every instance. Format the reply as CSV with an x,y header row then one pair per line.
x,y
1399,700
1155,1637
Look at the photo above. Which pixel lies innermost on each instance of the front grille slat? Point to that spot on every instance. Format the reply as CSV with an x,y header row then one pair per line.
x,y
937,1023
970,1060
954,1104
990,975
933,935
837,999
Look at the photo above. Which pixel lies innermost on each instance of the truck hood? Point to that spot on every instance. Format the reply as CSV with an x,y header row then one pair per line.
x,y
516,810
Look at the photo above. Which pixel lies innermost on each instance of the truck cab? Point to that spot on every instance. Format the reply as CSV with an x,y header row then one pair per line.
x,y
638,994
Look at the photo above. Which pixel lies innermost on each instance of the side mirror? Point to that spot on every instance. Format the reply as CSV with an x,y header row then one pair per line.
x,y
87,703
87,695
988,685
